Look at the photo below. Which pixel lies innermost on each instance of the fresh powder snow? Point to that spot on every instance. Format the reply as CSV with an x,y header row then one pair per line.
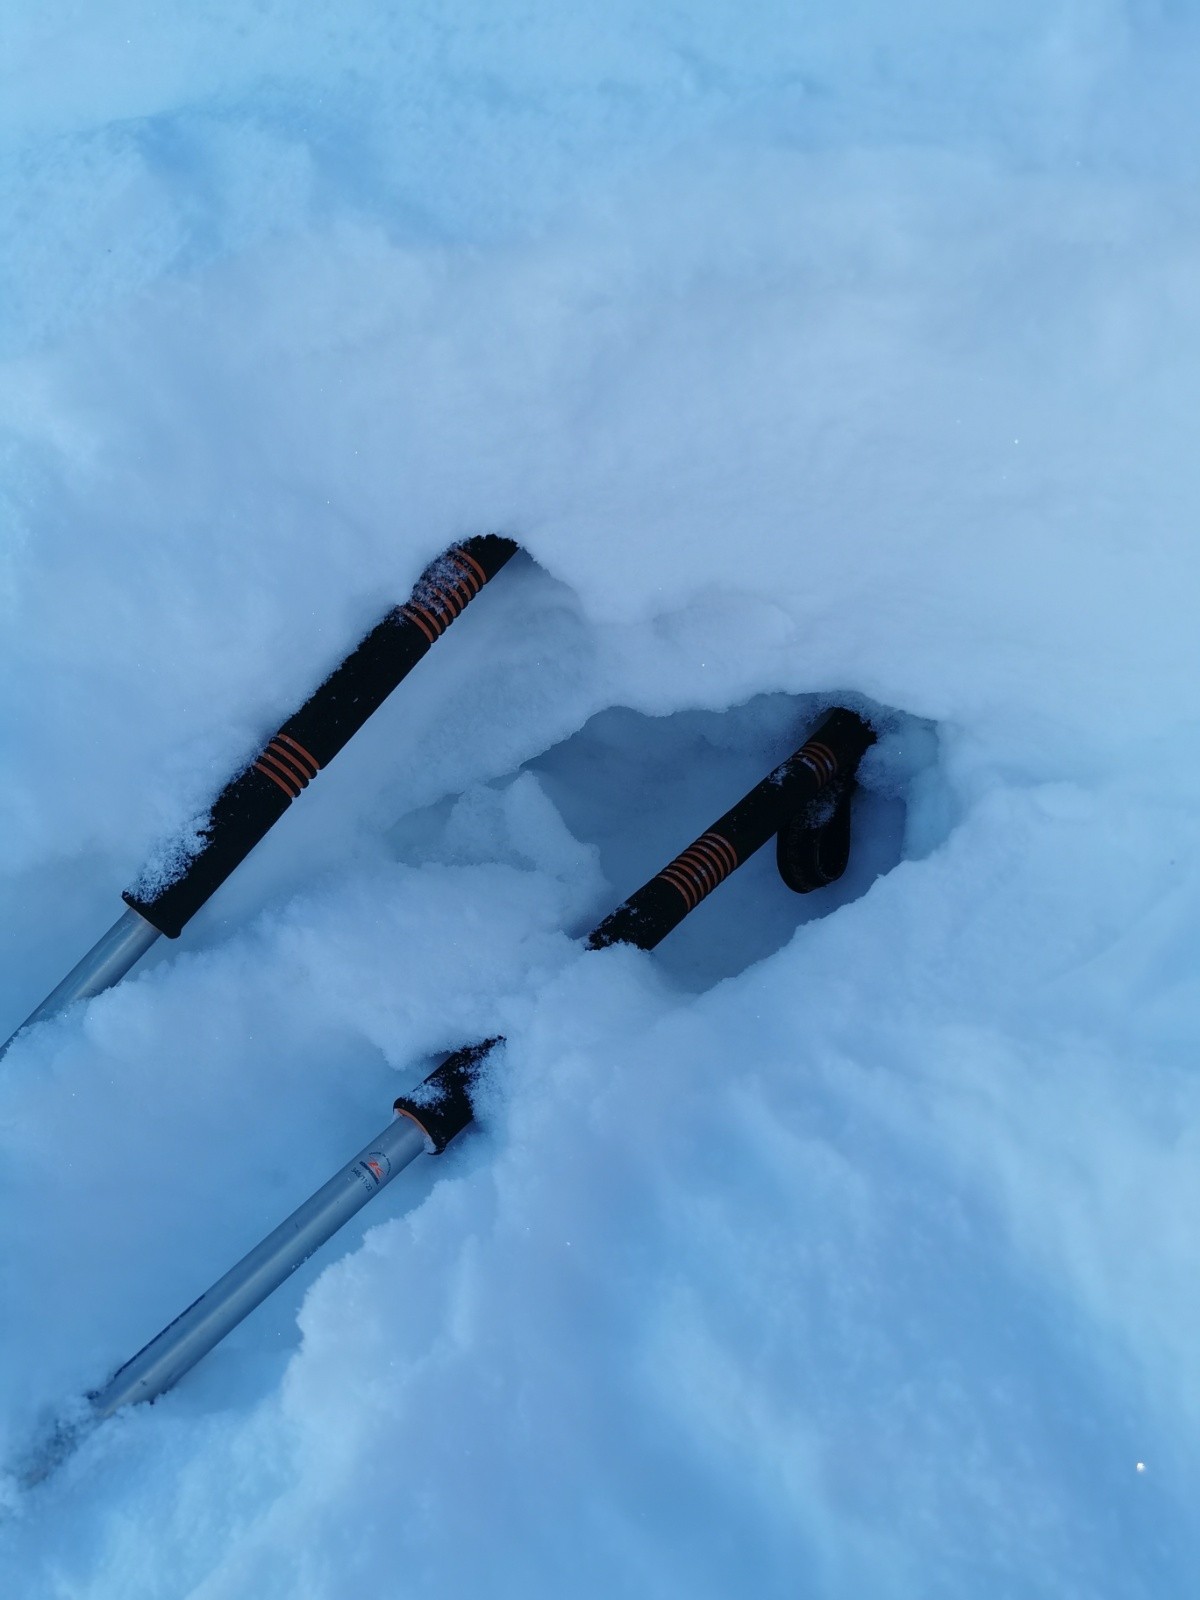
x,y
820,353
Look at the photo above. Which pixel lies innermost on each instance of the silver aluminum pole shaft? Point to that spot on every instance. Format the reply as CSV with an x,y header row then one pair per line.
x,y
219,1310
106,963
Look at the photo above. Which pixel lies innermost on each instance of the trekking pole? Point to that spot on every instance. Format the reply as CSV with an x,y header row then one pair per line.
x,y
253,802
441,1107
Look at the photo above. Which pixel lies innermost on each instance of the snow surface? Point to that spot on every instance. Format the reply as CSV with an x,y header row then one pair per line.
x,y
809,350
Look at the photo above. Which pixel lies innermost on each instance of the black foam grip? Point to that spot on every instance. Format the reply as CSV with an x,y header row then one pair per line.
x,y
249,806
441,1104
834,750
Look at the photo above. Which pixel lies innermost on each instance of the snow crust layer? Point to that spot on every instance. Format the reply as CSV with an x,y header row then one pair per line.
x,y
808,351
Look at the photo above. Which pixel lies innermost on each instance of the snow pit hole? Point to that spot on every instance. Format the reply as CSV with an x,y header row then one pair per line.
x,y
637,789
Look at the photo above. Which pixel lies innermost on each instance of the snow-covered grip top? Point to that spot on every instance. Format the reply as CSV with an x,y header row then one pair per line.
x,y
441,1105
249,806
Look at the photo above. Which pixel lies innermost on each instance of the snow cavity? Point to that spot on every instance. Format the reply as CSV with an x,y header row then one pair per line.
x,y
635,789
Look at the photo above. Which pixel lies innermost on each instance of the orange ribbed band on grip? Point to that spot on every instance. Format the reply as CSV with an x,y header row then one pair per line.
x,y
819,758
439,598
288,764
697,871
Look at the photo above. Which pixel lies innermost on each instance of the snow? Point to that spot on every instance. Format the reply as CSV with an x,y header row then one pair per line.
x,y
842,1246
